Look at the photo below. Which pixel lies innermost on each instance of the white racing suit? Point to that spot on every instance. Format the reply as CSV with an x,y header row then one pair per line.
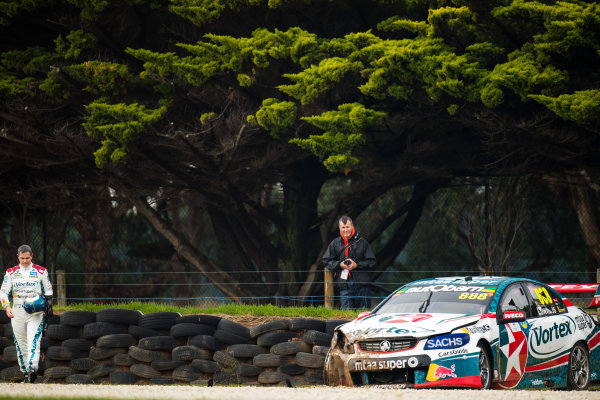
x,y
27,328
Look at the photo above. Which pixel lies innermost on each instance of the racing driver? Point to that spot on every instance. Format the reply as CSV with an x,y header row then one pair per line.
x,y
26,280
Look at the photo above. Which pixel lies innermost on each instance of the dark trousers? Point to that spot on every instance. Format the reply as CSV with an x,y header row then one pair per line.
x,y
355,296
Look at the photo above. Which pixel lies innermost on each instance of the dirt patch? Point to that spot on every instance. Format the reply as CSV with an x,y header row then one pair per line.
x,y
250,321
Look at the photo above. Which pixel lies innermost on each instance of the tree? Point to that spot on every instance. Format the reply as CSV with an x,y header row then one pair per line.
x,y
235,102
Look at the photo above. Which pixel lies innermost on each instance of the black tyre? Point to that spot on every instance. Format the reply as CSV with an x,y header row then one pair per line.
x,y
270,377
191,329
233,327
11,374
159,320
288,348
4,318
79,379
317,338
310,360
122,378
148,356
225,359
63,332
272,338
292,369
297,324
228,378
5,342
578,374
314,376
82,364
279,324
209,319
94,330
205,342
140,332
486,367
245,350
166,343
102,353
58,372
77,317
10,354
166,365
185,373
119,316
270,360
248,370
163,380
331,324
144,371
322,350
206,366
59,353
45,342
77,344
5,364
123,360
229,337
189,353
101,370
116,340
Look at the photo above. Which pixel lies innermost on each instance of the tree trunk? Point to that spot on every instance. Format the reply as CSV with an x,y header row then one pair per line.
x,y
583,204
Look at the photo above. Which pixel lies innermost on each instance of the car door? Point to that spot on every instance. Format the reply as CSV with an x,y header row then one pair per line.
x,y
512,350
551,330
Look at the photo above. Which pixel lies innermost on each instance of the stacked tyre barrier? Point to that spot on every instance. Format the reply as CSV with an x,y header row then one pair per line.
x,y
120,346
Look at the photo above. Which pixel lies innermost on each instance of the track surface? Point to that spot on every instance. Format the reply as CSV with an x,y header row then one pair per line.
x,y
49,391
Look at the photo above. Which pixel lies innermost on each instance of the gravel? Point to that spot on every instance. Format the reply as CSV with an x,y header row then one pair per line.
x,y
179,392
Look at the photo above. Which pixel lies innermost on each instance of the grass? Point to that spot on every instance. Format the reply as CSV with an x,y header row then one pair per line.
x,y
228,309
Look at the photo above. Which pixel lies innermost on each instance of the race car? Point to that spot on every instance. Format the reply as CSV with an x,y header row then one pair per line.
x,y
468,332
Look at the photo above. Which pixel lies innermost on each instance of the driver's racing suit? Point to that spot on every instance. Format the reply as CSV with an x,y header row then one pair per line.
x,y
27,328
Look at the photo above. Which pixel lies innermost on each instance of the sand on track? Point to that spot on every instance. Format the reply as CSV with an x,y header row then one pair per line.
x,y
183,392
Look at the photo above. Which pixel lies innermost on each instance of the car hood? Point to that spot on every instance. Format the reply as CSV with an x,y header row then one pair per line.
x,y
421,325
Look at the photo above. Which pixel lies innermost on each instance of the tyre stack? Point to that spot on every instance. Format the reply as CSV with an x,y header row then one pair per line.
x,y
120,346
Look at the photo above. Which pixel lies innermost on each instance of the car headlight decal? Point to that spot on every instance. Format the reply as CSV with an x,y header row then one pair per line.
x,y
449,341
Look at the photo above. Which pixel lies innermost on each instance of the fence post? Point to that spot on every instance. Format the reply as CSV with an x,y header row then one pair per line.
x,y
61,288
329,292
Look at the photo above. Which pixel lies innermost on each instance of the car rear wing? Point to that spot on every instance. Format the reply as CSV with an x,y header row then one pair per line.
x,y
580,288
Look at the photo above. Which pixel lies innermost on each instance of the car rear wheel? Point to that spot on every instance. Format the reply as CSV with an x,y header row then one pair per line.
x,y
578,375
485,366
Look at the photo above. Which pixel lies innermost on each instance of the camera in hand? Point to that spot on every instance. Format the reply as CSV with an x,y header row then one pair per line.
x,y
347,262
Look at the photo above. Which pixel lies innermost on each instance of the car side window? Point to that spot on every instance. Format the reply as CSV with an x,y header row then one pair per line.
x,y
545,302
515,299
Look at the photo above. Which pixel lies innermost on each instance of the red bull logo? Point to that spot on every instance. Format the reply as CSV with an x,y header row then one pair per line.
x,y
440,372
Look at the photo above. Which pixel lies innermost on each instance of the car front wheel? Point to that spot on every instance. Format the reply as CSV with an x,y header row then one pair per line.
x,y
485,367
578,375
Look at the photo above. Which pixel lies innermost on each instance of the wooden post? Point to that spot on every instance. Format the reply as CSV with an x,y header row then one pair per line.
x,y
61,288
329,292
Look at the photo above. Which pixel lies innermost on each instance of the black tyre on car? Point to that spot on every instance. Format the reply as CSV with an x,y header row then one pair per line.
x,y
485,366
578,374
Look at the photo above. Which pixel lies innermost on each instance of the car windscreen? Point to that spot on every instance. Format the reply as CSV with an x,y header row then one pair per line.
x,y
448,299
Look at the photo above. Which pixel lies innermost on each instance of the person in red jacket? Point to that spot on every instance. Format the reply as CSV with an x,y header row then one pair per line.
x,y
350,258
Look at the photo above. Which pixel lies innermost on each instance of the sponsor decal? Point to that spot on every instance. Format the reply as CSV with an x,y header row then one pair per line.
x,y
33,274
436,372
545,338
537,382
584,321
454,352
512,355
513,315
388,364
385,346
450,341
478,329
405,318
24,284
445,288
